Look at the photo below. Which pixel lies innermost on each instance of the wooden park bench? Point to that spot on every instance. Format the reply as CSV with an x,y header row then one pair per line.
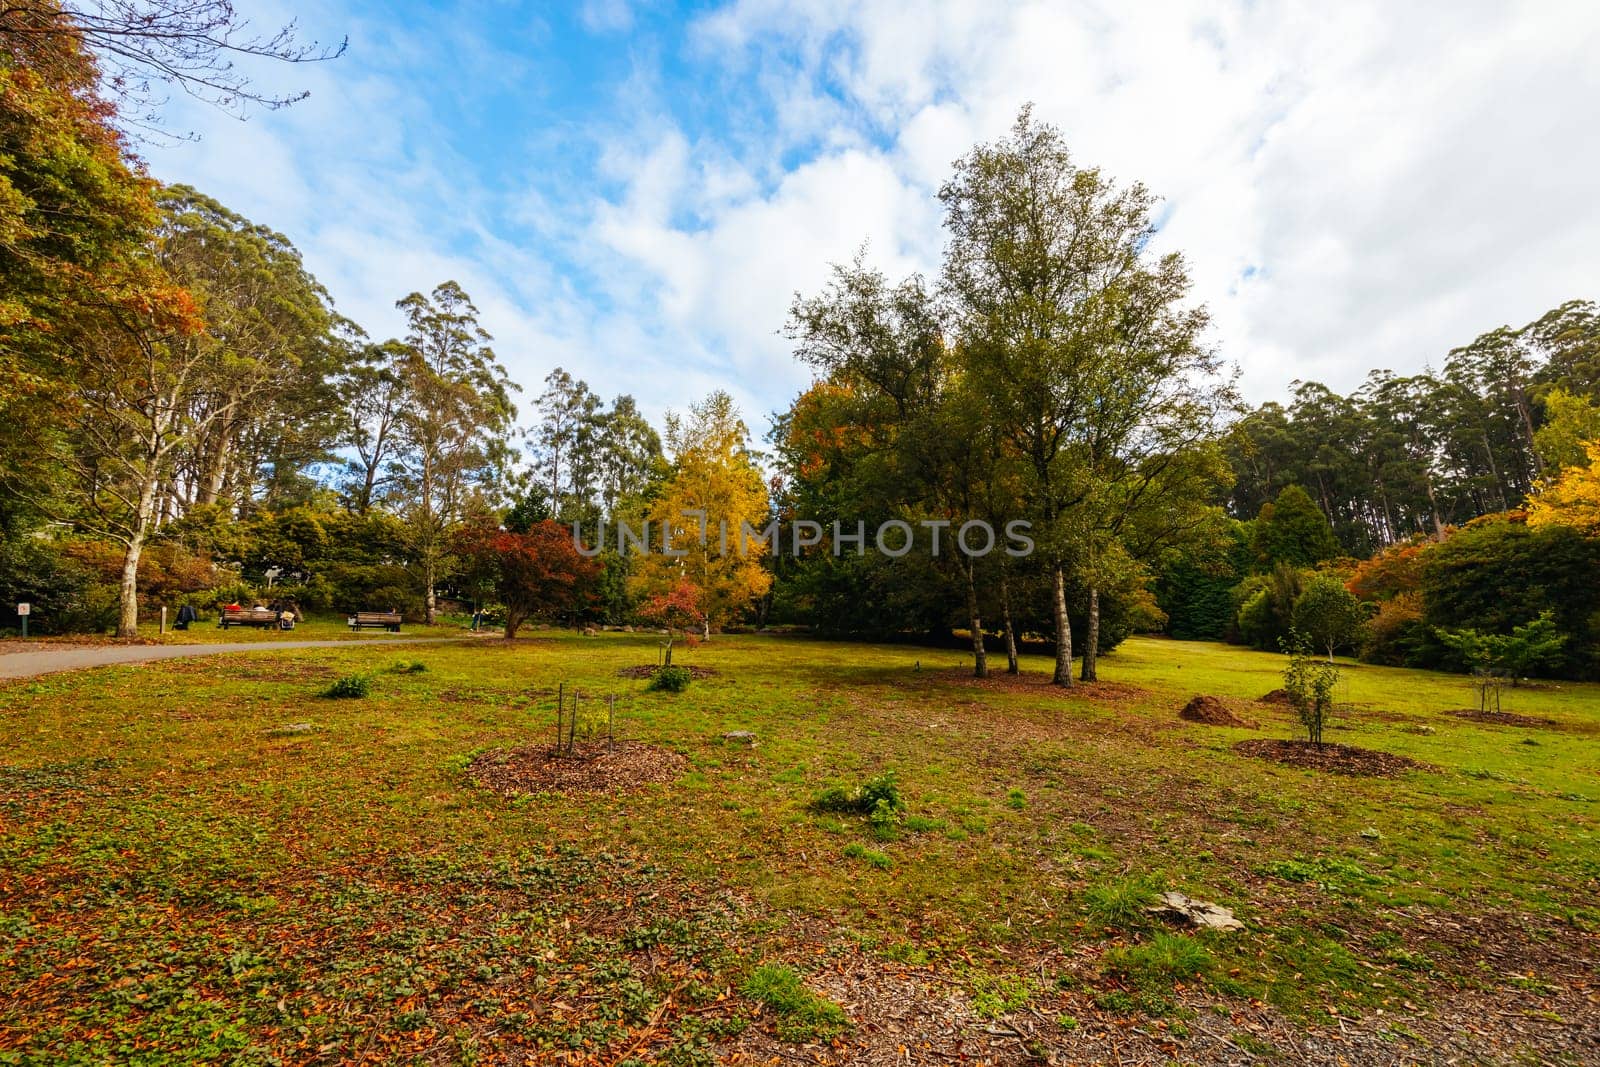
x,y
254,617
372,620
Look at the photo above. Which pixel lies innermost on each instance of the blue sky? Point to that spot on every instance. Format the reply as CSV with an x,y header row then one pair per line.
x,y
634,190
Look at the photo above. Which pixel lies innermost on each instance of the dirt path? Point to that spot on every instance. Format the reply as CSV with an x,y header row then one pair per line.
x,y
49,659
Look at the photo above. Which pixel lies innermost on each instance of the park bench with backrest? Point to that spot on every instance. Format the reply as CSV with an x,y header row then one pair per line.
x,y
254,617
373,620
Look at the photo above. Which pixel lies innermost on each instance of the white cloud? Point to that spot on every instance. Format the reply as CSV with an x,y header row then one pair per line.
x,y
1355,185
606,16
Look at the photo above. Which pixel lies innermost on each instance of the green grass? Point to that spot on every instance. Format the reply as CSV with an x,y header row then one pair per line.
x,y
187,874
803,1015
1120,903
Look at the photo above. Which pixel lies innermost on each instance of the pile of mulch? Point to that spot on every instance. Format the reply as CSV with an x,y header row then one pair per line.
x,y
593,767
1500,718
1211,712
648,670
1277,696
1335,759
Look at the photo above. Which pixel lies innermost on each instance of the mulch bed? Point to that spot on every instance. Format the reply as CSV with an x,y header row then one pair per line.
x,y
1211,712
648,670
594,767
1500,718
1336,759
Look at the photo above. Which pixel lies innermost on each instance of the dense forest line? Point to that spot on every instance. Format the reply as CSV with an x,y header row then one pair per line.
x,y
187,419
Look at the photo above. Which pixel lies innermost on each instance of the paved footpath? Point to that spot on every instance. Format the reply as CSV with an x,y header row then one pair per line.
x,y
49,659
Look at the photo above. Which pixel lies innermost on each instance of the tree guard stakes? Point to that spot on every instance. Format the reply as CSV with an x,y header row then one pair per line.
x,y
567,724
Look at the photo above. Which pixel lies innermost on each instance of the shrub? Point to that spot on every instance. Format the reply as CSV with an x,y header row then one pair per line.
x,y
67,595
802,1014
670,680
350,687
877,798
1395,635
1309,685
1496,575
1328,613
1266,606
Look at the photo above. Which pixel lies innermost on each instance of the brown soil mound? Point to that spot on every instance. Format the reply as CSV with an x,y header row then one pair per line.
x,y
1336,759
1501,718
1211,711
648,670
1277,696
595,767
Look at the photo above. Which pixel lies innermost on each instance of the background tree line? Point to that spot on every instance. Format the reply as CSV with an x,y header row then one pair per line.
x,y
186,416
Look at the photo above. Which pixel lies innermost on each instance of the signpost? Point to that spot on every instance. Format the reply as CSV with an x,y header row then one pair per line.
x,y
23,611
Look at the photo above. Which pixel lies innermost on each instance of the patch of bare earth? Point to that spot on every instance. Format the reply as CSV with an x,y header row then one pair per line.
x,y
1500,718
1039,684
1211,712
1334,758
1277,696
648,670
918,1015
592,767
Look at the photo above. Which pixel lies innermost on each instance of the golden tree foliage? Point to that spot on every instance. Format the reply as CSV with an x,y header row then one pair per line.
x,y
714,473
1573,499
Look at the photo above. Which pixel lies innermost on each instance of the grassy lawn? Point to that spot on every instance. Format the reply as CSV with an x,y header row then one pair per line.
x,y
208,860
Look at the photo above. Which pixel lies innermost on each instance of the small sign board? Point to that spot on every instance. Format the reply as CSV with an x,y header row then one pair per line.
x,y
24,609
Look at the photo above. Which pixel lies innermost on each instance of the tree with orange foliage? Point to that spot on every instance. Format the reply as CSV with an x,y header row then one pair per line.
x,y
677,607
1392,572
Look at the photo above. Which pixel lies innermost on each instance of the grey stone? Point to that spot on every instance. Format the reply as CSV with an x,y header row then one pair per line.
x,y
1200,913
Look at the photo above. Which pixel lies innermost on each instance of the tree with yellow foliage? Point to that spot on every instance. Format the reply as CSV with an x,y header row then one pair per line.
x,y
715,476
1573,499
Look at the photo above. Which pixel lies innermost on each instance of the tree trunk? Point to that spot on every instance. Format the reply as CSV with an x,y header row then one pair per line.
x,y
980,658
368,482
1091,642
1011,632
1433,505
216,467
1063,673
432,612
1499,483
128,592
